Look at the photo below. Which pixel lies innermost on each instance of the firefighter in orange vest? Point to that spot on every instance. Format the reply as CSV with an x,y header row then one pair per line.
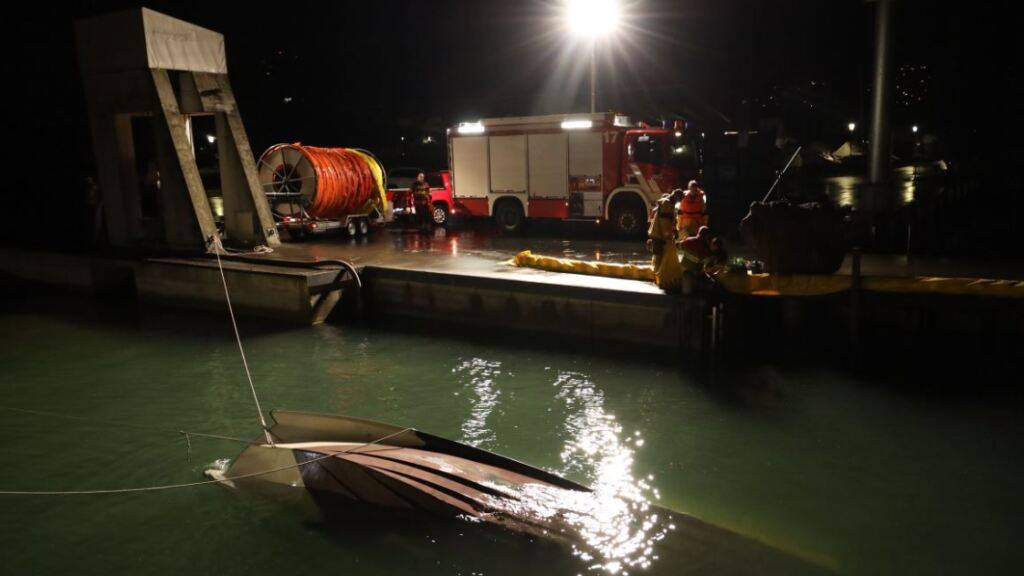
x,y
692,210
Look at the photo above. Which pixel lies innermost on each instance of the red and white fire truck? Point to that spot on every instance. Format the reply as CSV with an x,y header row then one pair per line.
x,y
597,167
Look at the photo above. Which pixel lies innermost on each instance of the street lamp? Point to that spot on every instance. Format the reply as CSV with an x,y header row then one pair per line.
x,y
591,20
914,128
851,126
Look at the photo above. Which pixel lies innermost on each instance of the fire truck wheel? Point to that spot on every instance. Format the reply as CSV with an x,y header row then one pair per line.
x,y
509,216
440,214
352,228
627,218
364,226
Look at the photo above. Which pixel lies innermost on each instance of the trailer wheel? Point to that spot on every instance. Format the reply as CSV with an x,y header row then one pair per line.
x,y
509,216
352,228
627,217
364,226
440,214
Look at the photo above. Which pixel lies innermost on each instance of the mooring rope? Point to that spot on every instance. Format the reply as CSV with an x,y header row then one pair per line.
x,y
161,487
154,488
217,247
185,433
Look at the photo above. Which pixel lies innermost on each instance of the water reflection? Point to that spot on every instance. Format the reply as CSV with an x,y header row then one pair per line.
x,y
906,184
617,523
843,189
478,379
612,528
906,176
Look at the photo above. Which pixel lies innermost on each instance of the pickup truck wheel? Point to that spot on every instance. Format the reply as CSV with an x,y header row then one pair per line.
x,y
440,215
352,228
627,219
509,216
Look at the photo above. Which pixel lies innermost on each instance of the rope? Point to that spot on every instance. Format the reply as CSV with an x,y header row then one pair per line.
x,y
217,247
162,487
127,425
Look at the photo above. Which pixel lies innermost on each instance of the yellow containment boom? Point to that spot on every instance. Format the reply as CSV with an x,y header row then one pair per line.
x,y
527,259
790,284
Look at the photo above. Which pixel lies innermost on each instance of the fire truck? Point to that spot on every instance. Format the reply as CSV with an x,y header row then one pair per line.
x,y
596,167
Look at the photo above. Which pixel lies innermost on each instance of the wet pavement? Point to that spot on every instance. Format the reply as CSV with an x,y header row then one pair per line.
x,y
477,249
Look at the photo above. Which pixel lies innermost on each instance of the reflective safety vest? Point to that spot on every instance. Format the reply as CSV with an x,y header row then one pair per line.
x,y
692,204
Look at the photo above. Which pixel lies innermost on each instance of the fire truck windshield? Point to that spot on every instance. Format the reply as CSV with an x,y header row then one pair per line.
x,y
648,149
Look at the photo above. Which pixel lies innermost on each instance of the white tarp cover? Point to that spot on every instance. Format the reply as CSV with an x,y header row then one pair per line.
x,y
174,44
849,148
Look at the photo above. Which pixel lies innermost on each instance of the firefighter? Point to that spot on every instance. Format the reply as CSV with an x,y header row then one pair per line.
x,y
696,250
661,240
420,192
692,210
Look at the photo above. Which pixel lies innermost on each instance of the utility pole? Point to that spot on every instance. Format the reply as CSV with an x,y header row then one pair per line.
x,y
880,97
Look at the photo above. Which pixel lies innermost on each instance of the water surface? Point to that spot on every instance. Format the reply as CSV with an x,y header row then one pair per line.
x,y
833,472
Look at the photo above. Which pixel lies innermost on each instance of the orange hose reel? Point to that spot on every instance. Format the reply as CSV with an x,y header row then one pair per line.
x,y
328,182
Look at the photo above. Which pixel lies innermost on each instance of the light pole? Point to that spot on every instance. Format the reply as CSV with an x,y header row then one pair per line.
x,y
593,76
880,96
591,20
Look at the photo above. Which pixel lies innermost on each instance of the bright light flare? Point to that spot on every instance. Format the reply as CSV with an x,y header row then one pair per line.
x,y
471,128
851,126
577,125
592,18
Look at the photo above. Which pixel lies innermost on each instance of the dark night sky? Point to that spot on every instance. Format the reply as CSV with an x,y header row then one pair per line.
x,y
363,73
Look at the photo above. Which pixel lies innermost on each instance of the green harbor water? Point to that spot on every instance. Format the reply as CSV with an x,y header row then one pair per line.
x,y
846,474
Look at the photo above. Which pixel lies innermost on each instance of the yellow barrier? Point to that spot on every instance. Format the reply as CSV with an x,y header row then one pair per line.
x,y
527,259
789,284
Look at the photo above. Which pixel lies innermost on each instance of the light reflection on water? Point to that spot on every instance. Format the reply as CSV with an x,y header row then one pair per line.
x,y
613,528
616,522
906,184
478,376
843,189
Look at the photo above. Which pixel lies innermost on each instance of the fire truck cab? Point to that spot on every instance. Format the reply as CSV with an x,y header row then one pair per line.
x,y
597,167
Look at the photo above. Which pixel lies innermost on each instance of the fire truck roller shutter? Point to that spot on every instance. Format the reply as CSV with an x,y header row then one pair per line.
x,y
585,168
549,174
508,164
469,167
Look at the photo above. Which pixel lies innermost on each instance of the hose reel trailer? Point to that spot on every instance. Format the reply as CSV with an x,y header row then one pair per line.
x,y
313,190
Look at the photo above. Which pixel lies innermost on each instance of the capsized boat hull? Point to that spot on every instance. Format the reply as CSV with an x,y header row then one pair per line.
x,y
350,465
349,460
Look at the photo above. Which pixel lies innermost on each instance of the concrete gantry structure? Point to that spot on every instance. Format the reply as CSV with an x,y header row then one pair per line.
x,y
146,77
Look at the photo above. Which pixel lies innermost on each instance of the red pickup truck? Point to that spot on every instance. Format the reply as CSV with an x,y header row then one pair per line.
x,y
442,205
